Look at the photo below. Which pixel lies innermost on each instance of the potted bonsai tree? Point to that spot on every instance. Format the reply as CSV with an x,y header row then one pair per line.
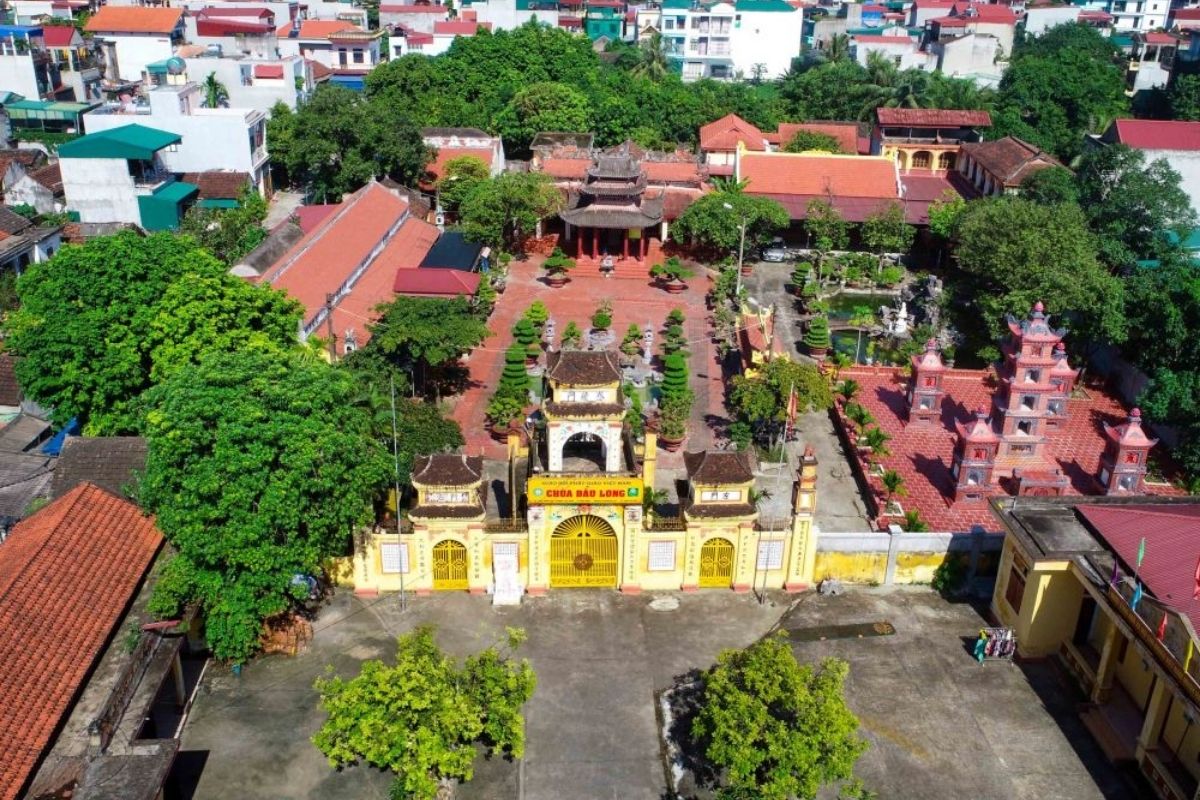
x,y
817,339
602,319
674,411
503,412
631,345
800,278
671,274
572,336
557,265
526,335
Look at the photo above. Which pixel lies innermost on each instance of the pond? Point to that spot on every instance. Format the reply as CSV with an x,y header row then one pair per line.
x,y
851,344
842,304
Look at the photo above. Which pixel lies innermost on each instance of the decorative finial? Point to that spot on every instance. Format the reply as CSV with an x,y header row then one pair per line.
x,y
1038,308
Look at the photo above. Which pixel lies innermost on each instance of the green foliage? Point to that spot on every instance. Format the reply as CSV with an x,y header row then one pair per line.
x,y
914,524
776,729
805,141
537,313
1184,98
671,270
557,263
877,439
503,211
1132,205
422,718
631,345
460,176
817,336
260,466
573,336
544,106
338,140
504,409
860,415
762,400
890,276
602,317
228,233
849,389
514,381
1050,187
674,412
634,417
99,323
425,333
885,231
1068,82
945,214
893,484
8,292
216,95
826,226
708,224
949,575
1020,252
675,375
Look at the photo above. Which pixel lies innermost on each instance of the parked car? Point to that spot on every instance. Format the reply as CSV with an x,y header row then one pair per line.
x,y
775,253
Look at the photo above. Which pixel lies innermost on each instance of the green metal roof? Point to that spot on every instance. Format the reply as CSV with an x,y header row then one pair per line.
x,y
157,67
764,5
677,4
47,109
128,141
176,191
218,202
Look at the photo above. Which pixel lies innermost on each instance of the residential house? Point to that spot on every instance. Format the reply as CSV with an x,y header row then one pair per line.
x,y
446,31
725,40
28,120
211,138
1183,19
119,175
1150,61
251,82
235,30
1041,17
72,576
895,45
47,63
23,243
922,11
604,18
113,463
78,62
999,167
134,36
1106,587
413,18
40,188
345,265
1178,143
921,138
1130,15
218,188
14,164
346,49
504,15
997,21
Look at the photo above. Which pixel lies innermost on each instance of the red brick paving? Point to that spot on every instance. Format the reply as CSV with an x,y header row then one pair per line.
x,y
634,300
923,454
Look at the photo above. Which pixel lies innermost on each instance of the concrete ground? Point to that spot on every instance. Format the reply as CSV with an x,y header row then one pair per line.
x,y
283,205
940,725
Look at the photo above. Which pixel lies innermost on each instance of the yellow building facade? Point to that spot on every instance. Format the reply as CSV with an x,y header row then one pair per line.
x,y
581,519
1133,660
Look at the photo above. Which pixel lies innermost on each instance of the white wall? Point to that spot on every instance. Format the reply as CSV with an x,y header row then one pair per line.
x,y
973,54
1187,164
100,189
421,22
910,57
26,191
17,75
772,38
135,51
1040,19
503,15
26,11
263,92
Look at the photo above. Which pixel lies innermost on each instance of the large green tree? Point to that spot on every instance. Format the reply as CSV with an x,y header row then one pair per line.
x,y
776,729
1050,187
228,233
101,322
1184,98
259,468
422,718
715,221
423,334
1132,206
504,210
1020,252
761,400
459,179
545,106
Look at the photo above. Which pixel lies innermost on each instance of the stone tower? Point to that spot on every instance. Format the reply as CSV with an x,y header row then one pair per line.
x,y
1023,403
925,389
974,458
1123,464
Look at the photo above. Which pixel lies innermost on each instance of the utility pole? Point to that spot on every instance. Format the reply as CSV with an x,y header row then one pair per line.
x,y
329,328
396,485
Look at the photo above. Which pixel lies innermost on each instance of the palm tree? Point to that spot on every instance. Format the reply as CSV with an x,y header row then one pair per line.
x,y
652,58
838,48
859,415
215,93
651,500
877,439
848,389
729,185
893,484
913,522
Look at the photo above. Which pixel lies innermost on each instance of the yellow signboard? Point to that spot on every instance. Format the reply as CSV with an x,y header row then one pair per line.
x,y
576,489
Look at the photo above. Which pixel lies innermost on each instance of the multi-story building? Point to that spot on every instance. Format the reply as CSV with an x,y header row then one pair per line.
x,y
1132,15
257,83
47,63
133,36
212,138
1150,61
724,40
346,49
1176,142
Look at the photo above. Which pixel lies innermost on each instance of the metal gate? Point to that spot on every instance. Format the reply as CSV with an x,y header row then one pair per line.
x,y
583,552
716,564
449,566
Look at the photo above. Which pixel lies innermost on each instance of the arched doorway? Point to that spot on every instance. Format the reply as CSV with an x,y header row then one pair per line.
x,y
584,452
716,564
583,552
921,159
449,566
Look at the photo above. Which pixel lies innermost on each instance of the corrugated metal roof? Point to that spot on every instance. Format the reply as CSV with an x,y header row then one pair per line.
x,y
128,141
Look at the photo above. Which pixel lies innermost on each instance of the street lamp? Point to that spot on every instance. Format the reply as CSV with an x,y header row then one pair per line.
x,y
741,248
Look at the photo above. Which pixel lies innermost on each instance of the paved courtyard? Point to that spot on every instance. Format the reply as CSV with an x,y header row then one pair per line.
x,y
940,725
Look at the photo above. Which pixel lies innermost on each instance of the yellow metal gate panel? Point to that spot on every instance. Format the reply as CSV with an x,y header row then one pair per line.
x,y
449,566
716,564
583,552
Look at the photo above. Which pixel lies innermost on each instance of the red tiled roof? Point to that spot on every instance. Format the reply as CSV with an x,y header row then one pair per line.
x,y
921,190
846,133
818,174
317,28
320,71
1157,37
450,27
237,11
412,9
223,26
676,200
1098,16
268,71
436,282
892,40
57,35
417,37
671,171
1172,534
49,176
923,453
1010,159
218,184
566,168
1155,134
986,12
437,167
67,575
309,217
134,19
1186,13
947,22
933,118
728,131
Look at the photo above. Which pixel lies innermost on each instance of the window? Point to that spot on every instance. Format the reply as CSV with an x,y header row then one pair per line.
x,y
1029,402
1054,408
342,57
1127,483
1025,427
931,380
394,556
926,403
1033,375
979,454
661,557
974,477
1014,593
358,56
770,555
920,160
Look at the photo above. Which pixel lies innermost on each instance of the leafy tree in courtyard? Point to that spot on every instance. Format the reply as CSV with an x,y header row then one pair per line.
x,y
459,179
422,718
1050,187
1132,205
885,231
775,728
260,466
504,210
804,141
707,223
228,233
761,400
424,333
546,106
1184,98
1020,252
99,323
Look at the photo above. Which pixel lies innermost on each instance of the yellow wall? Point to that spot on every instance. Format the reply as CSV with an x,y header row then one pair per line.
x,y
851,567
1133,677
1050,610
1184,739
919,567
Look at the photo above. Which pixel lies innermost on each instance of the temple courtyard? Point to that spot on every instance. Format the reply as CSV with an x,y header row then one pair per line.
x,y
940,725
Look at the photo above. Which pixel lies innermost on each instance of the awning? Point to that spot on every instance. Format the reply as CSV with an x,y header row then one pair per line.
x,y
176,191
218,202
268,71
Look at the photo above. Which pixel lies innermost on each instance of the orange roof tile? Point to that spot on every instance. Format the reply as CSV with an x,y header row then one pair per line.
x,y
437,167
572,168
67,576
134,19
846,133
819,174
318,28
933,118
672,171
728,131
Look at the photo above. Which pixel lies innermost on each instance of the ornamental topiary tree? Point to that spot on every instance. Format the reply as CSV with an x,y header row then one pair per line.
x,y
514,382
773,728
572,336
423,718
525,332
817,339
537,313
675,375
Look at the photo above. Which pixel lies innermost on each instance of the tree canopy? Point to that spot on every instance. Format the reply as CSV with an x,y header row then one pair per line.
x,y
459,179
424,333
546,106
422,717
100,323
228,233
803,141
761,400
259,467
503,211
708,223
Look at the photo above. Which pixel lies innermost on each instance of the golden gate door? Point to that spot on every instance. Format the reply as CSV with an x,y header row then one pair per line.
x,y
583,552
449,566
716,564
